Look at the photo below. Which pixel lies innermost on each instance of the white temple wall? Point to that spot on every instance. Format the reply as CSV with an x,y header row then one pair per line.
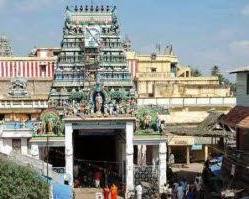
x,y
7,146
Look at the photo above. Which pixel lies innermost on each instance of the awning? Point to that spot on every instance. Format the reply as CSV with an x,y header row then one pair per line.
x,y
237,117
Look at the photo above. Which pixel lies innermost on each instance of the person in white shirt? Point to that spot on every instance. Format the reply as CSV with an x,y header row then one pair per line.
x,y
180,192
139,191
198,182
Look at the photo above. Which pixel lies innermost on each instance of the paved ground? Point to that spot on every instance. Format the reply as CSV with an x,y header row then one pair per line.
x,y
188,171
87,193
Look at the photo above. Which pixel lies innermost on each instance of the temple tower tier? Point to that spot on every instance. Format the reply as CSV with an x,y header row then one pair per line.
x,y
91,53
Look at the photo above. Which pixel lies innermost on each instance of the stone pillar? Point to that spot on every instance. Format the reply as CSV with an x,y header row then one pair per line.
x,y
34,151
162,165
141,158
155,156
69,152
123,148
24,147
205,152
188,155
129,157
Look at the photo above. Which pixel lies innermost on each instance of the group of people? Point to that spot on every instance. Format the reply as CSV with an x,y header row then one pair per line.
x,y
110,193
184,190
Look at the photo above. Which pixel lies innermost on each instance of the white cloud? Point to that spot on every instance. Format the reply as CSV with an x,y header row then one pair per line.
x,y
245,10
240,47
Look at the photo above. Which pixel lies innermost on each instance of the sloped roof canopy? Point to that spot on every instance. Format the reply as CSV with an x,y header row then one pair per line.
x,y
209,127
237,116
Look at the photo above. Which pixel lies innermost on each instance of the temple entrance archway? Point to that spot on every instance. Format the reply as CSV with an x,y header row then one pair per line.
x,y
115,132
99,151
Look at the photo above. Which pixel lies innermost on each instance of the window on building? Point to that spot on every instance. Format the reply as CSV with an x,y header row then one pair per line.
x,y
2,116
187,73
247,84
43,70
173,68
153,70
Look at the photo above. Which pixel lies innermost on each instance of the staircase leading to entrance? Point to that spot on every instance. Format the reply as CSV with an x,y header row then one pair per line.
x,y
86,193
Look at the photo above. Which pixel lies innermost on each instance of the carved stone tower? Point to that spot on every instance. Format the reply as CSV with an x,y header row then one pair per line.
x,y
92,54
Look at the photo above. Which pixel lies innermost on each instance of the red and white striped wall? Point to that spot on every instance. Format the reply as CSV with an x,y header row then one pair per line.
x,y
27,68
132,66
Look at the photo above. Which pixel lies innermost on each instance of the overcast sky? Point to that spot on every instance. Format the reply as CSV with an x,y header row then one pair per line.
x,y
203,33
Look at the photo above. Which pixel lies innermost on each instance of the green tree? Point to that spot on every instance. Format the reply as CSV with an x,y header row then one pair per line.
x,y
196,73
21,182
215,71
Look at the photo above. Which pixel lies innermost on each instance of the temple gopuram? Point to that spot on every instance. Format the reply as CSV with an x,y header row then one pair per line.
x,y
94,99
91,59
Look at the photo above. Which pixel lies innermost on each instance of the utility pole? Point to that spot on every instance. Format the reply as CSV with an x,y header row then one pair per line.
x,y
47,155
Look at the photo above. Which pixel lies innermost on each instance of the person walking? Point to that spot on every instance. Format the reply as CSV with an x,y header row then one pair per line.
x,y
139,191
174,191
191,193
114,192
97,178
184,185
180,192
106,192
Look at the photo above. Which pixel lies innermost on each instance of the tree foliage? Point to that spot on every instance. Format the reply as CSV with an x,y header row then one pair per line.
x,y
21,182
215,71
195,72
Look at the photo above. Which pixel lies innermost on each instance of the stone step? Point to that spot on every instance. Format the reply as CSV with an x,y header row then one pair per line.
x,y
86,193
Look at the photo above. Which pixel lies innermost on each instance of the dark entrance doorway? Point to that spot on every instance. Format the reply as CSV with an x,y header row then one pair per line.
x,y
97,155
94,147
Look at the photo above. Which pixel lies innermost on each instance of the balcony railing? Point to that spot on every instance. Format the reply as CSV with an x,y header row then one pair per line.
x,y
154,75
22,104
188,101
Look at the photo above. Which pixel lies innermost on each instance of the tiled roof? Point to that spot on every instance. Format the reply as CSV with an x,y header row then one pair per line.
x,y
244,123
207,128
237,116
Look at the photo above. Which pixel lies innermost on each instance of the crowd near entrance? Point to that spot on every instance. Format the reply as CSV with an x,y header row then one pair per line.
x,y
98,158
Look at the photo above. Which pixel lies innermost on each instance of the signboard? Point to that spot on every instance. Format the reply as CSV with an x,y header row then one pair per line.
x,y
196,147
215,165
92,36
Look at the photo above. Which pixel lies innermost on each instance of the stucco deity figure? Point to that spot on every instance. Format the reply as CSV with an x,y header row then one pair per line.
x,y
106,109
147,121
158,123
111,109
98,103
18,87
50,127
117,109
